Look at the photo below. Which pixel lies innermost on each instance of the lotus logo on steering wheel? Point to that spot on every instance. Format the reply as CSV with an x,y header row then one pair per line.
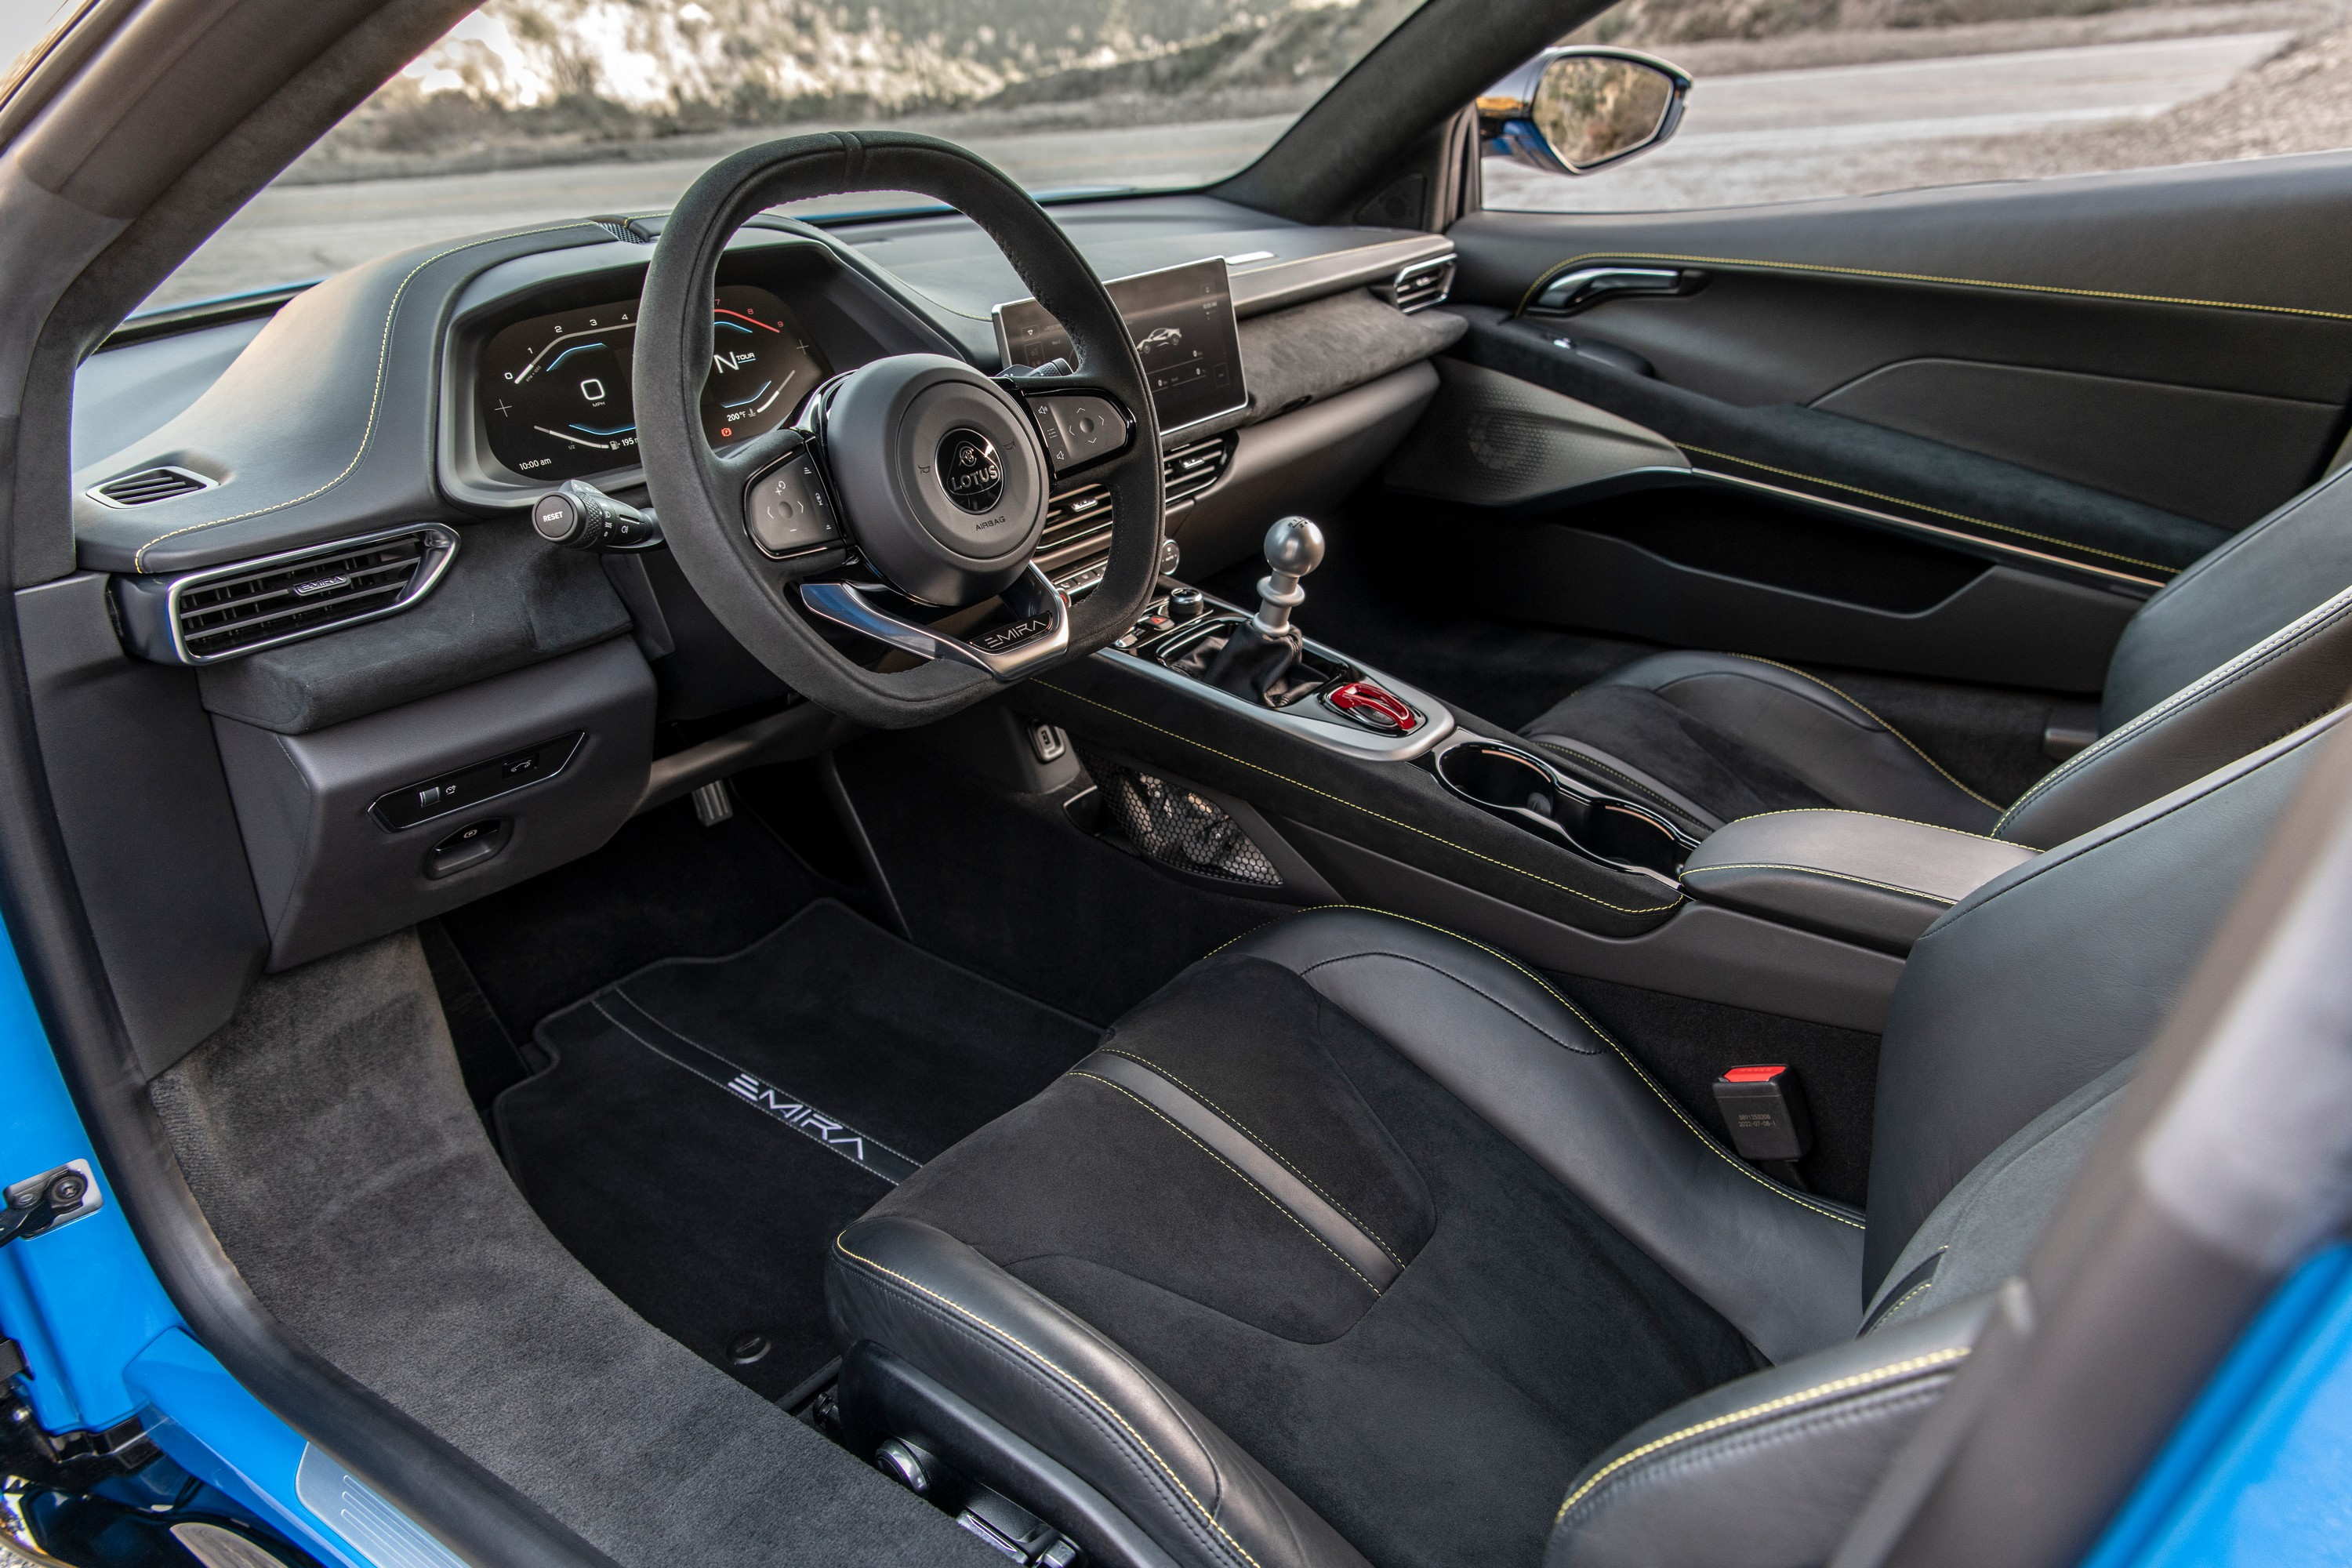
x,y
968,469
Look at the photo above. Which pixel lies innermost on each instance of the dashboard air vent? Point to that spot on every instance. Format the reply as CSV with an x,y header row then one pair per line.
x,y
148,486
1188,470
202,617
1420,286
1073,515
1081,517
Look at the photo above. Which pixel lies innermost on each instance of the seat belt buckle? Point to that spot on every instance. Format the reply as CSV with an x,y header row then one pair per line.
x,y
1764,1112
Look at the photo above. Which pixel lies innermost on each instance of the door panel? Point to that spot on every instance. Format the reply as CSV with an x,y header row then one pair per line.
x,y
2227,278
2145,440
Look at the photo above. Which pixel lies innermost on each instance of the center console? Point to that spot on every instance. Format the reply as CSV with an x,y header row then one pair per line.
x,y
1328,778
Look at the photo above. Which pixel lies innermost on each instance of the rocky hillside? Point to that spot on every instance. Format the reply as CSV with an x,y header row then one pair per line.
x,y
550,72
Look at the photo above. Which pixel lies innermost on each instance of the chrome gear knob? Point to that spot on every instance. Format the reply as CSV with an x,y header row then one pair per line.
x,y
1293,547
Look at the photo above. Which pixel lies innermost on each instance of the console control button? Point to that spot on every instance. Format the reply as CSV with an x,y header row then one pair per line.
x,y
1374,707
1187,605
465,788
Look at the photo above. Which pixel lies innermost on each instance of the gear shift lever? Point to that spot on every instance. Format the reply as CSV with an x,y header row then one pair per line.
x,y
1261,651
1293,547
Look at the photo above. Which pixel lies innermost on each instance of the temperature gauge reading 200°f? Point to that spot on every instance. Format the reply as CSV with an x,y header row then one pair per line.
x,y
555,399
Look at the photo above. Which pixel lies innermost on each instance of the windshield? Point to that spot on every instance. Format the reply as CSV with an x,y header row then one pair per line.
x,y
534,111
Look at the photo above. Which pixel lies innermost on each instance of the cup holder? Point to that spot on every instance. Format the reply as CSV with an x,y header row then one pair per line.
x,y
1522,789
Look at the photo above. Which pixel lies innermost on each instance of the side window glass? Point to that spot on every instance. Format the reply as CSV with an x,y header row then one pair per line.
x,y
1798,103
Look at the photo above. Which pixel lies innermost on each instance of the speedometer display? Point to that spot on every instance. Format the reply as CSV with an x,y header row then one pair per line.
x,y
554,390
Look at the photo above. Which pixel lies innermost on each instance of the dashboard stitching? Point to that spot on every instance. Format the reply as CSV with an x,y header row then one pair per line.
x,y
1764,266
375,397
1368,811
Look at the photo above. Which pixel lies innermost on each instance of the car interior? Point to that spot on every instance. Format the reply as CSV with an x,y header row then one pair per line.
x,y
1284,875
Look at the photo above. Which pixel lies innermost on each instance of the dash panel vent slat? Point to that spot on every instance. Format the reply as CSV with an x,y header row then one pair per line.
x,y
204,617
1420,286
1082,515
149,486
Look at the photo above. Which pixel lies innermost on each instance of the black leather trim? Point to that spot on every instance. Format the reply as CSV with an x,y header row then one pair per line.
x,y
1782,1266
2282,682
1056,1383
2049,975
1272,1174
1874,879
1767,1471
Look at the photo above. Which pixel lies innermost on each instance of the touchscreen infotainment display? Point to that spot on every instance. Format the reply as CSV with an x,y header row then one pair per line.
x,y
1183,322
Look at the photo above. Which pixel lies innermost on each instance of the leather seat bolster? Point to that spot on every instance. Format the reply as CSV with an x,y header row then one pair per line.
x,y
1783,1267
1877,880
2286,680
1803,725
1060,1384
1770,1470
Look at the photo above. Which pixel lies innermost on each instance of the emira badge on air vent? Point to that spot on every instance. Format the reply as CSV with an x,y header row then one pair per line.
x,y
223,612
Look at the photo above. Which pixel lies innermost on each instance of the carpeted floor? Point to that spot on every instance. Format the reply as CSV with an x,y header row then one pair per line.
x,y
709,1125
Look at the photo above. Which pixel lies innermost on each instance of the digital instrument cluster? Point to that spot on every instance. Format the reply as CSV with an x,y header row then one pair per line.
x,y
553,391
1182,322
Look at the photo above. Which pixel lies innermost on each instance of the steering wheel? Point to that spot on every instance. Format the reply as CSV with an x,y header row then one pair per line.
x,y
916,468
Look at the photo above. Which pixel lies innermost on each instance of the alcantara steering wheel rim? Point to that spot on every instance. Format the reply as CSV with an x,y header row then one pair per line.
x,y
702,496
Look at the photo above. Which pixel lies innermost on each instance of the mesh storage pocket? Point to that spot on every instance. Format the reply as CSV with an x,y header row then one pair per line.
x,y
1177,827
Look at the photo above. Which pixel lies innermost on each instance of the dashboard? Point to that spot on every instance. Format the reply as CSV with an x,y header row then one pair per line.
x,y
503,365
331,488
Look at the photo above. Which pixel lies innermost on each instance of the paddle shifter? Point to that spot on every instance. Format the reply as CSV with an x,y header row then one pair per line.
x,y
1262,650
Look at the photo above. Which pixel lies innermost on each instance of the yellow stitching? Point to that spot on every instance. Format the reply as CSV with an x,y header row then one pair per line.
x,y
1244,1131
1928,278
1238,1173
375,398
1849,811
1837,1386
1923,506
1691,871
1874,719
1606,1038
1908,1297
1047,1362
1368,811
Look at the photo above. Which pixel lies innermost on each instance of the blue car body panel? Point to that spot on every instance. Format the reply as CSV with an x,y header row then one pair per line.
x,y
102,1342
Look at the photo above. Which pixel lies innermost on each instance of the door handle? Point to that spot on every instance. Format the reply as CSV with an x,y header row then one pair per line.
x,y
1589,285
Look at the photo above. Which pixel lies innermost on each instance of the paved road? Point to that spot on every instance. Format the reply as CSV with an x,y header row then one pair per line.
x,y
1766,136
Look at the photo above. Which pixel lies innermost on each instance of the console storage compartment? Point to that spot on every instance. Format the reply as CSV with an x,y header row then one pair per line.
x,y
1876,880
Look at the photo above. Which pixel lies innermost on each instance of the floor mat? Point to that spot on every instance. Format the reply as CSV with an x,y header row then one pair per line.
x,y
709,1125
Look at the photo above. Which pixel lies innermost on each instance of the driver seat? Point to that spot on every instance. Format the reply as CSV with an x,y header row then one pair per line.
x,y
1360,1242
2251,640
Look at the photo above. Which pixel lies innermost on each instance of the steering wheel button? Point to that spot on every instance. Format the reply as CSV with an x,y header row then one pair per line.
x,y
1079,429
788,513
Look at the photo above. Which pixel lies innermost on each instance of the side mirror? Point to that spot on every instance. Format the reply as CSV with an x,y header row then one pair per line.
x,y
1579,108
